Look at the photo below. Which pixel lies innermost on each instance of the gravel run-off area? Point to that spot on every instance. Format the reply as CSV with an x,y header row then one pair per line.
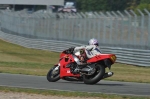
x,y
14,95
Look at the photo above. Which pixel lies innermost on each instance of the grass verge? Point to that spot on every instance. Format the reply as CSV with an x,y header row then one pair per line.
x,y
70,94
20,60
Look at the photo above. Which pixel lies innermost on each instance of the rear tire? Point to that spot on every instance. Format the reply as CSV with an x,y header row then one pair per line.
x,y
96,77
54,74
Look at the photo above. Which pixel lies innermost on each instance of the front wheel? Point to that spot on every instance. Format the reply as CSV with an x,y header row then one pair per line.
x,y
96,77
53,74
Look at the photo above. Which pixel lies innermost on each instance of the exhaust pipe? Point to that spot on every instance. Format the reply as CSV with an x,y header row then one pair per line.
x,y
109,74
87,71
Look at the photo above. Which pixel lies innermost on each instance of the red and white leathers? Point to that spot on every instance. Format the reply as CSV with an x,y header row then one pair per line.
x,y
90,50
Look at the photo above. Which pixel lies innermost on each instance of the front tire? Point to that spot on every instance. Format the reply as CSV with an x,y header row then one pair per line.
x,y
54,74
96,77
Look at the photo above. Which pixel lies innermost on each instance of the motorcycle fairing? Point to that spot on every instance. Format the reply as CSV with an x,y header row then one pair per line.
x,y
64,70
68,58
100,57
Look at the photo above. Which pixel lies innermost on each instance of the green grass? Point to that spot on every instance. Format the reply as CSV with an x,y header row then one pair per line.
x,y
20,60
70,94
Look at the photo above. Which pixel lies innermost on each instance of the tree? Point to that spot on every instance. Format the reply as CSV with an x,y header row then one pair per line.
x,y
107,5
92,5
117,4
132,4
145,1
143,6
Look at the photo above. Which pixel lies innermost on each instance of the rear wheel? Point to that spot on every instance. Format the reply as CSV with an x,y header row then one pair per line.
x,y
53,74
96,77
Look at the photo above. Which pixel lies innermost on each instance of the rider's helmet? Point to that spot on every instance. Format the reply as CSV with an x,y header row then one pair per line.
x,y
93,41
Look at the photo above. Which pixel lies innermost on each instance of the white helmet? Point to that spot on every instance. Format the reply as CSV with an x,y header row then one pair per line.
x,y
93,41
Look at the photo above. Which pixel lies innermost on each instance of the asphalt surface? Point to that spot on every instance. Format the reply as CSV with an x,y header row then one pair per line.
x,y
108,87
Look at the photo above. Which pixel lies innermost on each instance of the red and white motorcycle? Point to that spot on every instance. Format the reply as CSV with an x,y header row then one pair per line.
x,y
69,68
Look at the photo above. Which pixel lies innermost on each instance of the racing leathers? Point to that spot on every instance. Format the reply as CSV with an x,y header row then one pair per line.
x,y
90,50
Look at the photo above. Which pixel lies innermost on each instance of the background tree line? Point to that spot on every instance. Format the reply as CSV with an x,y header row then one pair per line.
x,y
112,5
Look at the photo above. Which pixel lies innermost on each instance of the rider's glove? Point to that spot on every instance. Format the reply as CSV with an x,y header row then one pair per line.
x,y
70,50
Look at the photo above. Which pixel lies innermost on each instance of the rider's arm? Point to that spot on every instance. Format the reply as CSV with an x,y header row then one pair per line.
x,y
90,47
79,48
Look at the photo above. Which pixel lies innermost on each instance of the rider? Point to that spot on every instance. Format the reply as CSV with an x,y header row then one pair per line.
x,y
91,50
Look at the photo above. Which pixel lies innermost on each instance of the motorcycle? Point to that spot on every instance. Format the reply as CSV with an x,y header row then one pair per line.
x,y
69,68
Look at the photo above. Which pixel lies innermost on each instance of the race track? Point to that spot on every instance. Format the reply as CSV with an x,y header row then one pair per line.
x,y
109,87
